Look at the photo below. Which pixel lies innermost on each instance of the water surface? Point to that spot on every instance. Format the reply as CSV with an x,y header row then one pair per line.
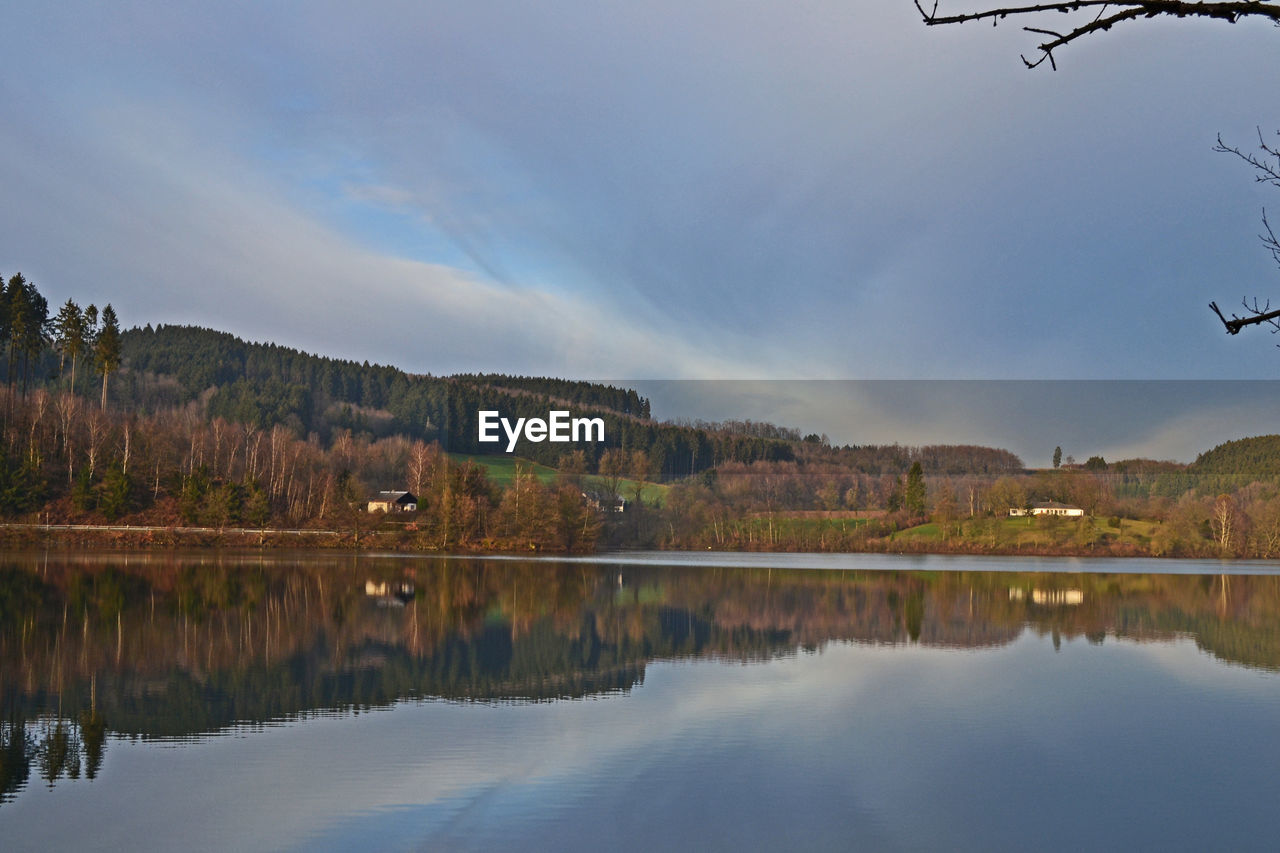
x,y
725,702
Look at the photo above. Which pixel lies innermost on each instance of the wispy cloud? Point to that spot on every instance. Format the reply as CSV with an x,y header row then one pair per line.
x,y
748,189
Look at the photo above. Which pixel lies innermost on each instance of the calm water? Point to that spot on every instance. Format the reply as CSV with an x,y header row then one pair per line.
x,y
303,701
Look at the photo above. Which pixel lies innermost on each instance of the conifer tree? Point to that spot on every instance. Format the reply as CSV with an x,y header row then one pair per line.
x,y
914,499
107,348
69,332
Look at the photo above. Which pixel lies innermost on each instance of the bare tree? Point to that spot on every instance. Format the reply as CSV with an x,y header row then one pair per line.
x,y
1093,16
1224,520
1085,17
1266,170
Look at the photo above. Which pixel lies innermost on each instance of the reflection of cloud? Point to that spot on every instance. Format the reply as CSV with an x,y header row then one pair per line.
x,y
852,727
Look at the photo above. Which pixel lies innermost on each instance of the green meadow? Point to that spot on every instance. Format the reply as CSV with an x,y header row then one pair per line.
x,y
501,469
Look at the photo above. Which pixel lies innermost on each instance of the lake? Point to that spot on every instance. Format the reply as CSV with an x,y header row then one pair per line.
x,y
330,701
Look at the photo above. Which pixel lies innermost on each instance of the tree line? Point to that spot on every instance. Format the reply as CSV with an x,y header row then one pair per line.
x,y
279,437
263,384
28,333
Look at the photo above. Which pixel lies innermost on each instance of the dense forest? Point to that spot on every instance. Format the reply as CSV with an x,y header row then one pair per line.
x,y
176,425
261,385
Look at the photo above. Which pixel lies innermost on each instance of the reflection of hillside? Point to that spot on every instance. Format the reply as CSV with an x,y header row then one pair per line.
x,y
170,646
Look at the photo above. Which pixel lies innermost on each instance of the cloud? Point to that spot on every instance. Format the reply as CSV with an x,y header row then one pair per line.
x,y
1123,419
818,189
212,246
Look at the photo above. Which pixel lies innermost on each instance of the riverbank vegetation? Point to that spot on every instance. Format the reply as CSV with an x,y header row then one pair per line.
x,y
175,427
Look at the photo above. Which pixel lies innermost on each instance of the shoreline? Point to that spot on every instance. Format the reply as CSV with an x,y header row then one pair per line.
x,y
17,534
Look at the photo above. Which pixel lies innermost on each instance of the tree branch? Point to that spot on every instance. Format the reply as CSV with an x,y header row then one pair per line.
x,y
1260,315
1267,173
1227,10
1269,239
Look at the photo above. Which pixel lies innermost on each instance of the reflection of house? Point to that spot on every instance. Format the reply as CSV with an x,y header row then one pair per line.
x,y
389,594
393,502
1047,508
1050,597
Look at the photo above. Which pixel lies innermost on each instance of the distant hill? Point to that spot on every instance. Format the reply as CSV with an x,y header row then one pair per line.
x,y
1257,458
1226,467
266,384
263,384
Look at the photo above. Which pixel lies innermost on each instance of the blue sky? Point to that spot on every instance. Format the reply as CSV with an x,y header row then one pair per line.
x,y
742,189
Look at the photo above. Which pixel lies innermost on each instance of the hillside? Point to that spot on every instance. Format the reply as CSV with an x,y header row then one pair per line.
x,y
261,385
1255,458
1227,467
265,384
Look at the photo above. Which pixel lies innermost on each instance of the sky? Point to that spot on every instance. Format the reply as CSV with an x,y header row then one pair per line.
x,y
696,190
1116,419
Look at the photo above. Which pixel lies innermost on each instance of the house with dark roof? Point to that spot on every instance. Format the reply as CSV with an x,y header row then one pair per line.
x,y
394,502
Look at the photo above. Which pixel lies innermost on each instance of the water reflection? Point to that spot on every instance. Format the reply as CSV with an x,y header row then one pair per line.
x,y
57,747
176,646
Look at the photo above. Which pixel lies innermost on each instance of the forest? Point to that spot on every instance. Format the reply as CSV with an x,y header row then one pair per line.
x,y
177,426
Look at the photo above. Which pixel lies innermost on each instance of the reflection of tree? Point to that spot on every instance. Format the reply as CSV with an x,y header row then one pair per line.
x,y
93,736
58,752
176,648
16,749
59,747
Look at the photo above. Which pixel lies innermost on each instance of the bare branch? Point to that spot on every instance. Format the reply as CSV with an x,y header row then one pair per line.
x,y
1269,239
1235,324
1228,10
1267,173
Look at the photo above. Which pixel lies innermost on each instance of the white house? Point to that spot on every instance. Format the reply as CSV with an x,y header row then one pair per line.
x,y
393,502
1047,508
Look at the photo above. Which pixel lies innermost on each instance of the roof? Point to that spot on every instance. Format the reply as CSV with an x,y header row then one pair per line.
x,y
1052,505
396,497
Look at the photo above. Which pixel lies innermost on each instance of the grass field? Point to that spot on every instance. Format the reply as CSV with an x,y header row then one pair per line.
x,y
1039,532
502,470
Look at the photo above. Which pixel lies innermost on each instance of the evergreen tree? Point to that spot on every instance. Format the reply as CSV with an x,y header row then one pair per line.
x,y
914,499
107,348
116,494
16,317
257,505
893,502
69,332
1057,456
35,330
90,316
83,495
22,489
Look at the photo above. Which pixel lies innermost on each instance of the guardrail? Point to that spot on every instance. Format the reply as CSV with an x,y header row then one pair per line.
x,y
136,528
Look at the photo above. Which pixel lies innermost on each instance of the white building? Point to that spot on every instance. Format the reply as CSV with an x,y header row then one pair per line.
x,y
393,502
1047,508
